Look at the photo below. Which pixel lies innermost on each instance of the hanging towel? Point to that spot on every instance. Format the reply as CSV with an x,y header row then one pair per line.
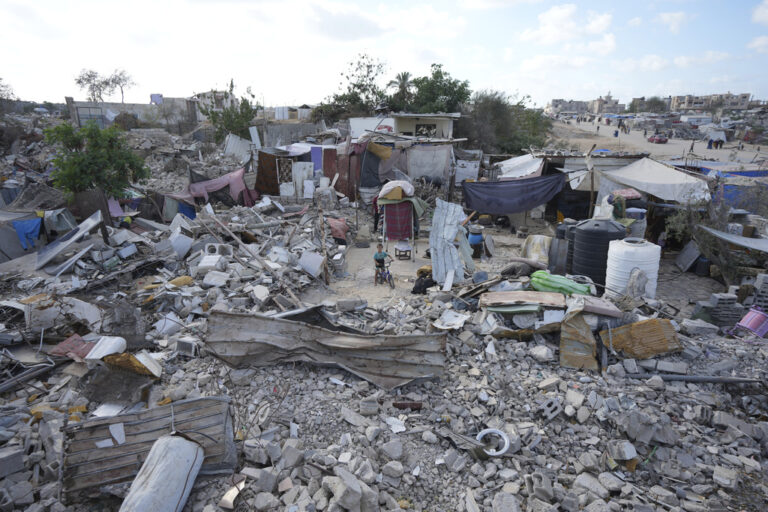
x,y
27,231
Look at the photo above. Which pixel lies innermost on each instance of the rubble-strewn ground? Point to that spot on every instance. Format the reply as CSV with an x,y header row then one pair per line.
x,y
319,438
582,135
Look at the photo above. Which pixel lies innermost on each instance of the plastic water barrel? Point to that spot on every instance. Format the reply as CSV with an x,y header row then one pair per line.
x,y
570,233
626,255
590,247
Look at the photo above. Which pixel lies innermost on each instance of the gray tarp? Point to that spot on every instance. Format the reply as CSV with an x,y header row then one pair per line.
x,y
505,197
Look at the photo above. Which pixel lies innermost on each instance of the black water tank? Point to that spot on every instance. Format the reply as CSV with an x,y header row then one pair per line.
x,y
590,247
570,231
561,228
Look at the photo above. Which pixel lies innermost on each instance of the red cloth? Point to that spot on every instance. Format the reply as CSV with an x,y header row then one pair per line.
x,y
398,220
339,227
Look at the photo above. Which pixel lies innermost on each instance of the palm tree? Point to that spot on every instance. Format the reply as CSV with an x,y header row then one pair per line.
x,y
402,83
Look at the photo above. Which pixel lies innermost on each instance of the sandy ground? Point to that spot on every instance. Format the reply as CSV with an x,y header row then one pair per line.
x,y
357,281
582,136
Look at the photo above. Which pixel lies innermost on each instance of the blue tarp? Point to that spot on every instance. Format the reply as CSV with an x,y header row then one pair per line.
x,y
505,197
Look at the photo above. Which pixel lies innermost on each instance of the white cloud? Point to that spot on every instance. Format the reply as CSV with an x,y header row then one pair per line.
x,y
759,44
635,22
760,14
553,62
650,62
603,46
722,79
673,20
562,25
556,25
598,23
492,4
707,57
422,21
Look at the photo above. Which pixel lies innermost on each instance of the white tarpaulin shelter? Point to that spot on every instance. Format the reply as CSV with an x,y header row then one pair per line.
x,y
520,166
658,180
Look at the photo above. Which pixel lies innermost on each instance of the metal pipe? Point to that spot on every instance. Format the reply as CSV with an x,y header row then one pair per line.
x,y
713,379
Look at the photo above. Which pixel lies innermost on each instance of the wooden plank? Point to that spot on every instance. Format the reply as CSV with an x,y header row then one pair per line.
x,y
205,420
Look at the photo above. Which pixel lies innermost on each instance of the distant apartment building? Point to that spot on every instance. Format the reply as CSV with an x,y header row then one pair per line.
x,y
640,103
557,106
606,105
727,101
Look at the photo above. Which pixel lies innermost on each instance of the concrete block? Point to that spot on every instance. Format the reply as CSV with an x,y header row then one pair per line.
x,y
672,367
574,398
11,460
216,279
263,479
549,383
181,244
128,251
550,409
211,262
621,450
698,327
345,488
589,483
219,249
505,502
725,477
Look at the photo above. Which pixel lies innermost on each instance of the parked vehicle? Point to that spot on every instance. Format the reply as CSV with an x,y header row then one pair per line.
x,y
658,139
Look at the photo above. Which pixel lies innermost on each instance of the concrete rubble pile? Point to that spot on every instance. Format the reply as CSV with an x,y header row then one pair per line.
x,y
171,157
179,367
319,439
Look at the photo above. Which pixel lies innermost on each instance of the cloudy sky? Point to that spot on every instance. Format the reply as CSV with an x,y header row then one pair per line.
x,y
292,52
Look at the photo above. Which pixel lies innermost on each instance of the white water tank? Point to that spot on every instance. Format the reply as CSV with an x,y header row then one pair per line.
x,y
627,254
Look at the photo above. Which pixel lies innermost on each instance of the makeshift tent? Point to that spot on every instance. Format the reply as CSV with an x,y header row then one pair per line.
x,y
429,161
520,166
656,179
506,197
205,188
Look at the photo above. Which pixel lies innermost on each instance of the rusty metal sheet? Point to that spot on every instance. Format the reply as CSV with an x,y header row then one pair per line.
x,y
266,177
207,421
330,163
578,347
549,299
643,339
386,361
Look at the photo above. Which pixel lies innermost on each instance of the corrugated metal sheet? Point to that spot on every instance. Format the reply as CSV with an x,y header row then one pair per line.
x,y
207,421
643,339
578,347
445,229
387,361
237,147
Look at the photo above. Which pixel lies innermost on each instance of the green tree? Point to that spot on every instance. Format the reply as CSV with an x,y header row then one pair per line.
x,y
359,91
498,123
439,92
403,87
89,158
96,85
655,104
120,79
234,118
636,105
6,95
